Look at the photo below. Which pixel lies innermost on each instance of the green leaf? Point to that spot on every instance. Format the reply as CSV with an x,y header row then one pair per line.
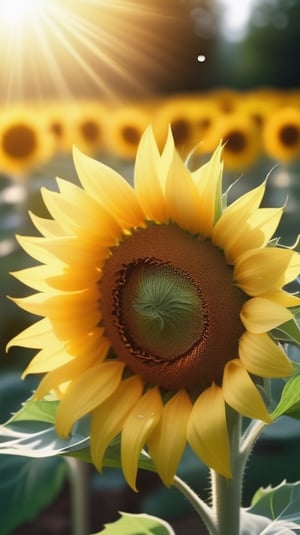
x,y
289,403
26,487
280,503
141,524
33,410
31,432
33,438
288,332
112,457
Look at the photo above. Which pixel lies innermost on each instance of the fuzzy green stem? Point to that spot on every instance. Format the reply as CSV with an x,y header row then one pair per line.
x,y
202,509
226,493
250,436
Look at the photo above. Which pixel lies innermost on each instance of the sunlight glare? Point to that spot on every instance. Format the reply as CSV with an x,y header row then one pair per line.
x,y
236,17
70,47
15,13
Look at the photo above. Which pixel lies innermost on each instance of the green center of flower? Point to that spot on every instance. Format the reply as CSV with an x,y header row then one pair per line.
x,y
163,309
170,307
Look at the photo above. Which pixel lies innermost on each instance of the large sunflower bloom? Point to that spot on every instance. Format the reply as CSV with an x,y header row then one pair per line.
x,y
157,307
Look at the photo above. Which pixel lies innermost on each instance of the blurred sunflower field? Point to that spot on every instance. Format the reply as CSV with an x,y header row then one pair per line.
x,y
94,74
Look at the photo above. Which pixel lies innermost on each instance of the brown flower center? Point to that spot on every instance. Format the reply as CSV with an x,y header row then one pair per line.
x,y
19,141
90,131
170,308
235,141
289,135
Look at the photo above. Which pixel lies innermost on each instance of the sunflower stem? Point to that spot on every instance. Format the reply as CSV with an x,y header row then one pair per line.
x,y
250,436
202,509
227,493
78,477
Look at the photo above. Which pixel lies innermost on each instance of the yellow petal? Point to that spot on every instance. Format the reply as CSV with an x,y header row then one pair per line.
x,y
35,277
72,279
48,359
241,393
283,298
168,440
108,419
254,232
261,270
207,430
208,180
86,392
137,428
182,197
47,227
260,315
66,310
109,189
74,251
230,225
146,178
79,213
35,247
65,372
94,342
292,271
263,357
166,159
37,336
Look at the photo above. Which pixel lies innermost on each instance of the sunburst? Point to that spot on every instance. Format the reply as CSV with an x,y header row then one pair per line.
x,y
69,48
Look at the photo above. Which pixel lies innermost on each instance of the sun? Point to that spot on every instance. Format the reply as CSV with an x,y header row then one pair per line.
x,y
69,48
16,14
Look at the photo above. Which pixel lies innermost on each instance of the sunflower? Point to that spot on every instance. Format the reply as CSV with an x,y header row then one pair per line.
x,y
241,136
180,112
157,306
281,134
24,140
87,122
124,128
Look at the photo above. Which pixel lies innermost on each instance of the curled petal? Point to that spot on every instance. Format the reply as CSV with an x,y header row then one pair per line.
x,y
261,270
260,315
263,357
207,430
283,298
230,225
241,393
167,442
86,392
137,429
254,232
108,418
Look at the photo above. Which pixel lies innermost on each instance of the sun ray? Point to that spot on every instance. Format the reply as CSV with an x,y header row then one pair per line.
x,y
74,48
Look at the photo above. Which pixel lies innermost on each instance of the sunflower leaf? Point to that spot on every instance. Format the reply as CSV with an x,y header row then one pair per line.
x,y
26,487
288,332
41,410
281,504
112,457
33,438
139,524
289,403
